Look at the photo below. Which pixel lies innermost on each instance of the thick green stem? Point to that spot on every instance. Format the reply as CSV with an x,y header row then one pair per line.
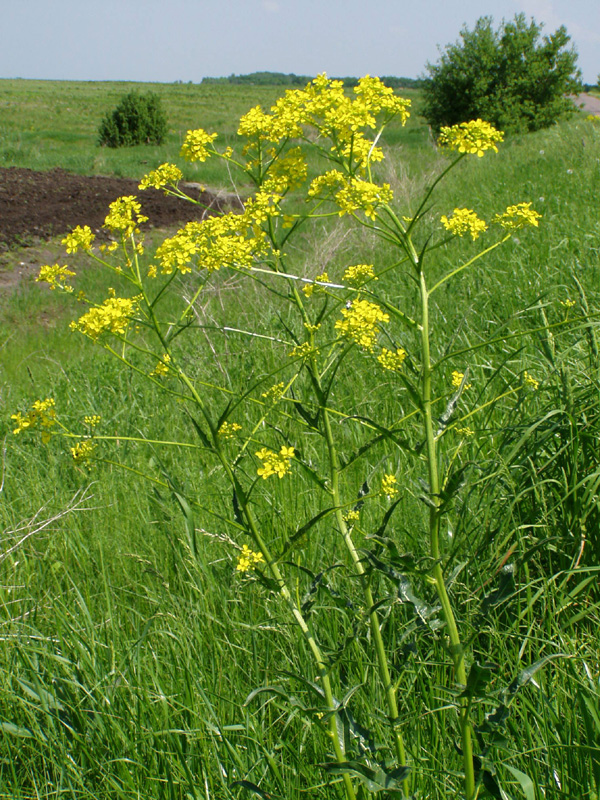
x,y
456,649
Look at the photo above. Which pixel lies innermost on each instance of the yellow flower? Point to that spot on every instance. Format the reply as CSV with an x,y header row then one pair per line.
x,y
457,379
528,380
92,421
166,174
248,559
229,429
388,486
473,137
162,368
462,221
124,216
194,147
359,195
56,277
352,516
41,415
79,239
360,323
83,451
303,350
465,431
390,360
274,463
359,273
275,393
517,216
113,316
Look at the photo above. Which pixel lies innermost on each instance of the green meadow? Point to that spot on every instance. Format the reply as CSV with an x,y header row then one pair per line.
x,y
130,644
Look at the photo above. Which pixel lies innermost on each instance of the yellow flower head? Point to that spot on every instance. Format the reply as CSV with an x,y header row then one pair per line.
x,y
359,274
457,379
248,559
388,486
275,393
166,174
229,429
124,216
83,452
56,277
359,195
79,239
528,380
41,415
360,321
473,137
162,368
194,147
462,221
92,420
390,360
274,463
517,216
112,316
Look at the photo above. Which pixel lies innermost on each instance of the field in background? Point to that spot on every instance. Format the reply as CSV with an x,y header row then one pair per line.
x,y
45,124
127,662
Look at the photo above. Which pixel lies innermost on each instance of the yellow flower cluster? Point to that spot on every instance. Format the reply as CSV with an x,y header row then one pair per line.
x,y
528,380
41,415
92,420
465,431
124,216
323,104
83,452
390,360
194,146
275,393
518,216
359,195
303,350
162,368
263,205
359,274
248,559
166,174
473,137
56,277
388,486
229,429
360,323
288,171
79,239
352,516
216,242
457,379
113,316
274,463
310,288
462,221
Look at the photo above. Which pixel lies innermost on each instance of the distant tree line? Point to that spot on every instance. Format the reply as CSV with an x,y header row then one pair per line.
x,y
281,79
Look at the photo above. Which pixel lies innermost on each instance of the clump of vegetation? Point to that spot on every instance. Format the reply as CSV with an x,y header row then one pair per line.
x,y
138,119
511,77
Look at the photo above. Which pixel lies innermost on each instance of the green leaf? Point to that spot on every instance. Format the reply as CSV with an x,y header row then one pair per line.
x,y
252,787
16,730
375,779
478,679
524,780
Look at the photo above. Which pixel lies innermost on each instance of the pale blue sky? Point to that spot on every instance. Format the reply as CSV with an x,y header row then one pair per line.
x,y
169,40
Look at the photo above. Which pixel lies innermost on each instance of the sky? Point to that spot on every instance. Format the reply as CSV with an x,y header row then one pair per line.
x,y
186,40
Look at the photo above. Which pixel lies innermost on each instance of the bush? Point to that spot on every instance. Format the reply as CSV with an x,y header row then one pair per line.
x,y
138,119
511,77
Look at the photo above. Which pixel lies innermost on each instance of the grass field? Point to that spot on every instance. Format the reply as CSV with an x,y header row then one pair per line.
x,y
130,641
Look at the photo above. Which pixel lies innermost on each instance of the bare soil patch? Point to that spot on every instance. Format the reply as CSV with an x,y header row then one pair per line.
x,y
36,206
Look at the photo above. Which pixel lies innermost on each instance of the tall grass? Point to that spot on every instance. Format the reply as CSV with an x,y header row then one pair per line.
x,y
127,659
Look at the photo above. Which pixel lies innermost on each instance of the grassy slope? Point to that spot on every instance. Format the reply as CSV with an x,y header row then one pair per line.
x,y
125,677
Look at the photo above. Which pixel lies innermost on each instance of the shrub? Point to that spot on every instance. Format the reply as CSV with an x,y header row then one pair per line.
x,y
138,119
510,77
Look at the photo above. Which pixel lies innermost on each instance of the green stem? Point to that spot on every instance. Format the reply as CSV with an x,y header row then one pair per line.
x,y
456,649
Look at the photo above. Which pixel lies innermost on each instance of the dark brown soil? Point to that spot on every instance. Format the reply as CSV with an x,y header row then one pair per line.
x,y
36,206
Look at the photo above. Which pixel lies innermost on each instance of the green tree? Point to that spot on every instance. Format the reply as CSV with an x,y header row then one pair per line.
x,y
138,119
513,77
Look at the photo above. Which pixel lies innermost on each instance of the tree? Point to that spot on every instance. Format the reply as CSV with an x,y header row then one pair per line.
x,y
512,77
138,119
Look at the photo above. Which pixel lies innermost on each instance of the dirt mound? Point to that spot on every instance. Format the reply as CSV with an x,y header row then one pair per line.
x,y
39,205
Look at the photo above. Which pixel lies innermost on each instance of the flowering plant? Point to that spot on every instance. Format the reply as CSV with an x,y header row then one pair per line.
x,y
267,429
